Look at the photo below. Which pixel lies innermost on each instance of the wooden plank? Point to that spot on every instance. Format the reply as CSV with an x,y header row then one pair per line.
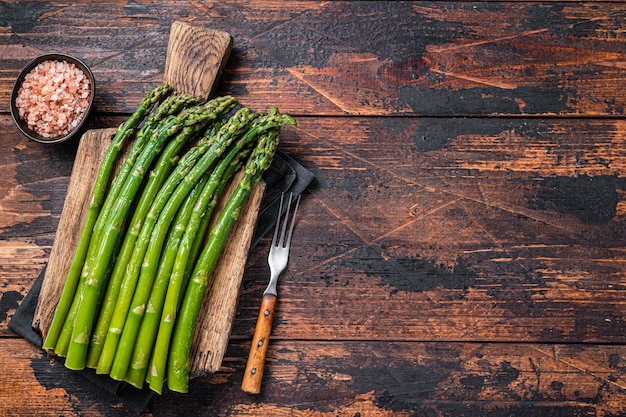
x,y
413,58
351,378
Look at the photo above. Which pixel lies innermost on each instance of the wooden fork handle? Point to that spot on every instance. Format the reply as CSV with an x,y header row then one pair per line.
x,y
258,350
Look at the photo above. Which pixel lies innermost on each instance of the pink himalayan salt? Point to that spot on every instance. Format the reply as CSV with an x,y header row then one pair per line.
x,y
53,98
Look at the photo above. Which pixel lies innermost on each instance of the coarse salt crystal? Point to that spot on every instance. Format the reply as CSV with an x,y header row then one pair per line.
x,y
52,98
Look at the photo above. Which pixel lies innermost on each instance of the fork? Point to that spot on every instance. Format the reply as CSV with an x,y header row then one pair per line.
x,y
277,260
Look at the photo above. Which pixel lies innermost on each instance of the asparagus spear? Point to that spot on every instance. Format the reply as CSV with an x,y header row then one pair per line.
x,y
259,161
123,132
237,124
81,333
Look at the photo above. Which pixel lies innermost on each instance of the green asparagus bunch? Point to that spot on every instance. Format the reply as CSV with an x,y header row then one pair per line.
x,y
143,262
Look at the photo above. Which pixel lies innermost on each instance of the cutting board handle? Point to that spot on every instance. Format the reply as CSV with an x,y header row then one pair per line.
x,y
195,58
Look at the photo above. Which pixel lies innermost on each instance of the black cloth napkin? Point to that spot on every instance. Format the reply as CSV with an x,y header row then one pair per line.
x,y
285,175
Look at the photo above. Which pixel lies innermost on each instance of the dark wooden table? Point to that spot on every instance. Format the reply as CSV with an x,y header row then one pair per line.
x,y
463,249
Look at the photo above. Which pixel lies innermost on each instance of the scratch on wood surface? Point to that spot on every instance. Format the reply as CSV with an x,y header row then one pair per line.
x,y
566,225
127,48
607,16
456,47
477,80
377,239
302,77
364,59
137,19
612,64
51,13
340,218
408,180
204,7
421,216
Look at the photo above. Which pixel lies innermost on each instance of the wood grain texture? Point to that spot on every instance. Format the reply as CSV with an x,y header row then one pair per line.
x,y
192,53
255,366
447,229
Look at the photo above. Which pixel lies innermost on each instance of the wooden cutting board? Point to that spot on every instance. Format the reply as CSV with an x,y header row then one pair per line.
x,y
195,59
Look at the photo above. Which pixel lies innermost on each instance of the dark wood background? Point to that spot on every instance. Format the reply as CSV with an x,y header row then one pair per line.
x,y
462,251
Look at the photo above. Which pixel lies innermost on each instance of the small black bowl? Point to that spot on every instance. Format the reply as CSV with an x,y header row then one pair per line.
x,y
22,125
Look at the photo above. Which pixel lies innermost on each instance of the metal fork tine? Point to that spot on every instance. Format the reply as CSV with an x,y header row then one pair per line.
x,y
277,227
281,243
293,220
